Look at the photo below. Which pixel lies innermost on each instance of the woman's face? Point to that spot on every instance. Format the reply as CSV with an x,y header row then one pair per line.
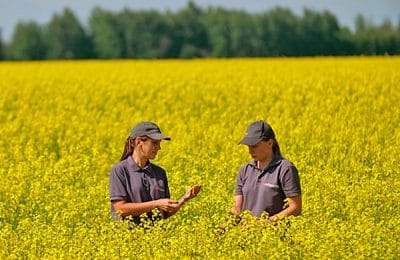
x,y
149,147
261,151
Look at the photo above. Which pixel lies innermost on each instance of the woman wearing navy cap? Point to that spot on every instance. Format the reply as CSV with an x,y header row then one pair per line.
x,y
263,184
137,186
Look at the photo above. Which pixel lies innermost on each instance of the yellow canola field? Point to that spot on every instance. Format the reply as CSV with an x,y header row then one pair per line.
x,y
63,125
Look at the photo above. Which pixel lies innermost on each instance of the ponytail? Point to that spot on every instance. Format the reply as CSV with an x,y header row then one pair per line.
x,y
128,149
275,148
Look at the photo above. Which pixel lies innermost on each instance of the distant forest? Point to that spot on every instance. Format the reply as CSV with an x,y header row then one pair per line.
x,y
195,32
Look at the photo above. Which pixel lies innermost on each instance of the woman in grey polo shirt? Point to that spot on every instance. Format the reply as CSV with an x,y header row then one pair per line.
x,y
263,184
137,186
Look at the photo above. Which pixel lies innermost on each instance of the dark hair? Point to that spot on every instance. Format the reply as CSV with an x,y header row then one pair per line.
x,y
128,149
275,147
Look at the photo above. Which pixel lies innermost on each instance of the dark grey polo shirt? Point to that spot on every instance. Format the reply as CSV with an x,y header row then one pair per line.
x,y
266,190
131,183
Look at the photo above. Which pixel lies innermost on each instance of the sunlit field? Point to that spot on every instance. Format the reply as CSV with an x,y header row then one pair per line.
x,y
63,126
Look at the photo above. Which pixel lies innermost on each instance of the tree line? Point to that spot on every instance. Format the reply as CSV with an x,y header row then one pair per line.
x,y
198,32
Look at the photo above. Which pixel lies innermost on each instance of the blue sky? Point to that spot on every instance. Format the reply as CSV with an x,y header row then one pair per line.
x,y
41,11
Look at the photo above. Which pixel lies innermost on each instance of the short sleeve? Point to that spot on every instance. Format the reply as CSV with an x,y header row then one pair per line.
x,y
240,181
290,181
117,184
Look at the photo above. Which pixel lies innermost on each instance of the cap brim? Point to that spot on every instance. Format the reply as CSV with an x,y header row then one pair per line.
x,y
157,136
250,140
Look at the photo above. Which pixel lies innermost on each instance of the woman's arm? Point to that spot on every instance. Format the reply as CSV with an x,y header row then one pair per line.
x,y
237,205
294,208
136,209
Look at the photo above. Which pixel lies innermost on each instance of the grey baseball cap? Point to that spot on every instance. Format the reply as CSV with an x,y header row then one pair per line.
x,y
149,129
257,131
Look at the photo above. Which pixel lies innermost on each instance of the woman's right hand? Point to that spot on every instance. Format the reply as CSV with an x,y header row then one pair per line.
x,y
167,205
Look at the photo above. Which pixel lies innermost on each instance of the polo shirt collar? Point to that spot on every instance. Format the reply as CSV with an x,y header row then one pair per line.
x,y
135,167
276,160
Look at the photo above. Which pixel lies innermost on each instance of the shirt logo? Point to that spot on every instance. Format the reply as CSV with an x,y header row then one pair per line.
x,y
270,185
158,188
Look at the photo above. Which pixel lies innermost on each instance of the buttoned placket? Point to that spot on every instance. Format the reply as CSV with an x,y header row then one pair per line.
x,y
273,163
145,176
261,174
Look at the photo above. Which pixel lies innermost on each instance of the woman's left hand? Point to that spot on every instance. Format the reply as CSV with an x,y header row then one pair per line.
x,y
191,192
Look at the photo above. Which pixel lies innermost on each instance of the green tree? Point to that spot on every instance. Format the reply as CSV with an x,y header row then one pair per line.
x,y
1,47
27,42
67,38
387,38
189,34
279,32
398,37
364,37
219,30
398,25
244,35
320,33
145,34
360,23
107,34
345,44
